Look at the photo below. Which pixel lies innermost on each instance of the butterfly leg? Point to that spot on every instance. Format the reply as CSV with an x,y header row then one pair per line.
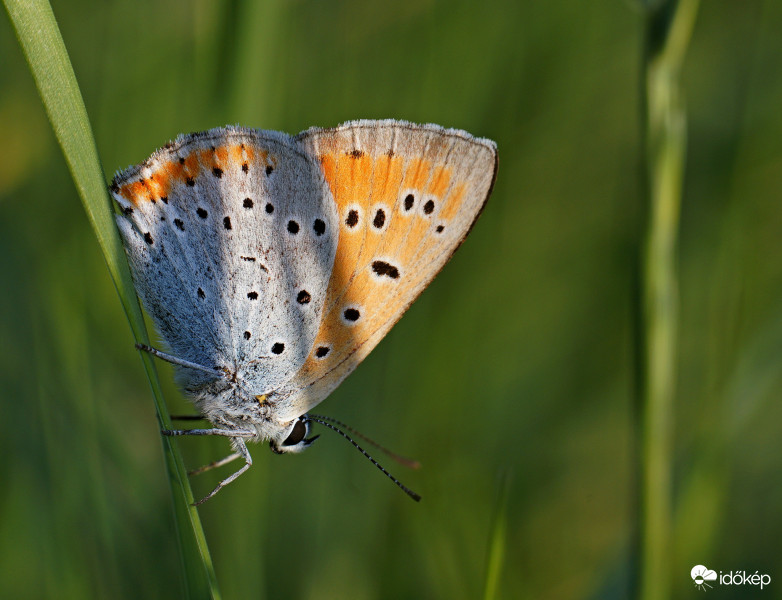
x,y
248,461
215,464
232,433
180,361
187,418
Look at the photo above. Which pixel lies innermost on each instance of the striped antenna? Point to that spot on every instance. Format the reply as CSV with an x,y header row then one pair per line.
x,y
326,423
402,460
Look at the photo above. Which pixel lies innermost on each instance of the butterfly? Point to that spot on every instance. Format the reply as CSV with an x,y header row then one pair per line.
x,y
271,265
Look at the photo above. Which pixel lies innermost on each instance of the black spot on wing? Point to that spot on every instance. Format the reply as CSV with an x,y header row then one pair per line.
x,y
384,269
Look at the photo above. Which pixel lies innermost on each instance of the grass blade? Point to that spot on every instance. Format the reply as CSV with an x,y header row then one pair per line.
x,y
43,47
668,27
495,559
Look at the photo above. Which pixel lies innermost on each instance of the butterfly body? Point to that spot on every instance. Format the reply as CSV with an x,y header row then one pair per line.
x,y
274,264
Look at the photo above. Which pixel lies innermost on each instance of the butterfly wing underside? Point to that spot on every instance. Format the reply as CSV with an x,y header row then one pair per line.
x,y
231,236
406,196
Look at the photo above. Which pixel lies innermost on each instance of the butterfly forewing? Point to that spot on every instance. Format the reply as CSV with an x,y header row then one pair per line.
x,y
405,197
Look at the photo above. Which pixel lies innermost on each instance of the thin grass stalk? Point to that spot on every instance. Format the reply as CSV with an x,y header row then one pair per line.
x,y
668,26
250,91
43,47
495,556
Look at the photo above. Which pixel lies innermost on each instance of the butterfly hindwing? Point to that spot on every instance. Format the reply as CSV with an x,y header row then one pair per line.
x,y
405,196
231,236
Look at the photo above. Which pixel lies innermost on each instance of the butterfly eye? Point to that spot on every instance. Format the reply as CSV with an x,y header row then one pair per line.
x,y
297,434
297,439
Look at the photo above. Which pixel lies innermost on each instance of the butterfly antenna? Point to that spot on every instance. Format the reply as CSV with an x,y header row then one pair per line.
x,y
326,423
402,460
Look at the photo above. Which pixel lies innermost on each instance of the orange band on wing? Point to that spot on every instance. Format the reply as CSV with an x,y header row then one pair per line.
x,y
453,201
438,184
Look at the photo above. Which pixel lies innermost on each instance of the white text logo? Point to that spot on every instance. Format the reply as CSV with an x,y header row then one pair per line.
x,y
701,576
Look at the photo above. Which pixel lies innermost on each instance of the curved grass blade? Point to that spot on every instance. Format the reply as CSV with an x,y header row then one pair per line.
x,y
495,558
43,47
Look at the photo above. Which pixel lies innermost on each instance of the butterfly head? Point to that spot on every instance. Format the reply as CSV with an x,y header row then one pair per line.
x,y
293,438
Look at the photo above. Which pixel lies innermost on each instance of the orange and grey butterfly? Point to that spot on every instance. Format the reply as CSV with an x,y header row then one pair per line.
x,y
272,265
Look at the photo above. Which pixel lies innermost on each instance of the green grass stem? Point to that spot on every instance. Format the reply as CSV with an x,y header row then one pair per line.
x,y
495,557
668,28
39,36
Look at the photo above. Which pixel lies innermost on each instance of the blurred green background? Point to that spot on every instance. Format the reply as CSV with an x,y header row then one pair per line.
x,y
517,359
